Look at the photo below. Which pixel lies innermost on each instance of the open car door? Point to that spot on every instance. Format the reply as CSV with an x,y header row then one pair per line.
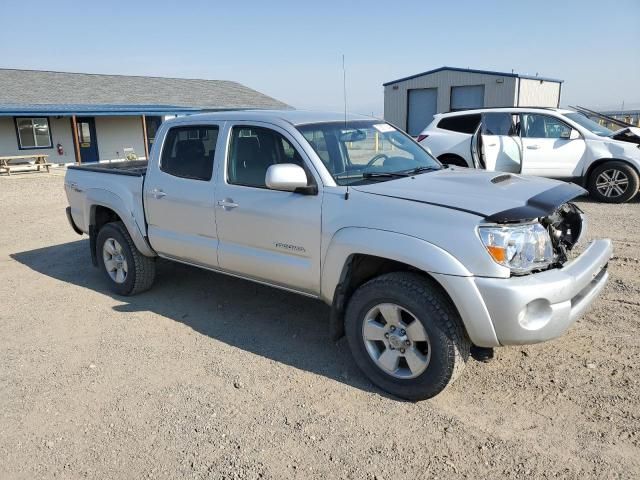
x,y
496,145
476,148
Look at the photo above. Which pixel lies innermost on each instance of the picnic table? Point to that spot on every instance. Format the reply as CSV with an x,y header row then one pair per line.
x,y
40,161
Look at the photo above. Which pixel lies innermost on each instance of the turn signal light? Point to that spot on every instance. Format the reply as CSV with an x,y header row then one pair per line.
x,y
421,137
499,254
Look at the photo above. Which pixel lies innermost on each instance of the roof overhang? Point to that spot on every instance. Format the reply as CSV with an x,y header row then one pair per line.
x,y
469,70
67,110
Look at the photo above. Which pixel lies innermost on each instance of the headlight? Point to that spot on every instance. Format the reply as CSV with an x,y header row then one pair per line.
x,y
521,248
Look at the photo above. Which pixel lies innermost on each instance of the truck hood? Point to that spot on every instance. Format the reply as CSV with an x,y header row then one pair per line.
x,y
497,197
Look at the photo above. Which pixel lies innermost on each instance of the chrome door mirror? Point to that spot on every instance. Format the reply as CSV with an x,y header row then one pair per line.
x,y
287,177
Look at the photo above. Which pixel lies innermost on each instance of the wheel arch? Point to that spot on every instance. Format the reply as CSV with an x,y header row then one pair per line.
x,y
596,163
104,207
346,268
453,159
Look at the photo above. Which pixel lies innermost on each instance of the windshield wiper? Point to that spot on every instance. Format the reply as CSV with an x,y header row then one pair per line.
x,y
422,170
385,174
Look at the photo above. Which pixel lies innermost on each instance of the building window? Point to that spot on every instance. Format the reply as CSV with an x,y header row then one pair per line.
x,y
33,132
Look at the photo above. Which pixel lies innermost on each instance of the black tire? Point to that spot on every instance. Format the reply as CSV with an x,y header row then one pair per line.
x,y
451,159
622,169
141,269
449,344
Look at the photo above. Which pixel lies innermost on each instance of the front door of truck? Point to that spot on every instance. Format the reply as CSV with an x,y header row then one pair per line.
x,y
179,195
550,147
267,235
499,144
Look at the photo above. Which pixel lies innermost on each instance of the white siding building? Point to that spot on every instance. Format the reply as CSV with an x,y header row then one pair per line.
x,y
411,102
82,118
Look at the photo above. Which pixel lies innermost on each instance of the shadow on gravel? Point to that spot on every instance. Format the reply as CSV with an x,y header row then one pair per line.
x,y
275,324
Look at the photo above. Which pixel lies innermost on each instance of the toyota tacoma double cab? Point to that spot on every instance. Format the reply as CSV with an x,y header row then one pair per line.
x,y
418,263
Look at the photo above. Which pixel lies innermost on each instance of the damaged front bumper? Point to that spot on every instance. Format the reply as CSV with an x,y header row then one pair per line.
x,y
542,306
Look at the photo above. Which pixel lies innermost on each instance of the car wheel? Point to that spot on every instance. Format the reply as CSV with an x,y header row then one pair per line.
x,y
127,270
613,182
405,335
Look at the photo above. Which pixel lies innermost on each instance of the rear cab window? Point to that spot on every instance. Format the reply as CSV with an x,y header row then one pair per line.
x,y
188,152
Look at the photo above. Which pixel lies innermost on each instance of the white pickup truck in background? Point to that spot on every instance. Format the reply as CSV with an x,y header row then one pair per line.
x,y
418,262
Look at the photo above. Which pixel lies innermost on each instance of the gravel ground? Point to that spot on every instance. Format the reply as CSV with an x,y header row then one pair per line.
x,y
207,376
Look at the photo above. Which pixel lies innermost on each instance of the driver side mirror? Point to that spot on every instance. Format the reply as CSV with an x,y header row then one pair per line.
x,y
289,177
572,134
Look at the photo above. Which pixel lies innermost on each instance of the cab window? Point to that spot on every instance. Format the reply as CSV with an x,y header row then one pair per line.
x,y
188,152
253,150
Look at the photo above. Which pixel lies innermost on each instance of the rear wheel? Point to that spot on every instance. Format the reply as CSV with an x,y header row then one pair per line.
x,y
405,335
613,182
127,270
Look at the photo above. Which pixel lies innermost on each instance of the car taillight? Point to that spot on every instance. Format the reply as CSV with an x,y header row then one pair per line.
x,y
421,137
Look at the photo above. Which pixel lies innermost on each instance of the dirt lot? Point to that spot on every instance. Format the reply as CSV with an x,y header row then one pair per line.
x,y
207,376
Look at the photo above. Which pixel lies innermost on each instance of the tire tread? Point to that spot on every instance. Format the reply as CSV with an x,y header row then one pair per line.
x,y
144,267
445,316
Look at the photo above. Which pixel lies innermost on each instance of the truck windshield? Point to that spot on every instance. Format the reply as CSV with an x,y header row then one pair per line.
x,y
586,122
360,152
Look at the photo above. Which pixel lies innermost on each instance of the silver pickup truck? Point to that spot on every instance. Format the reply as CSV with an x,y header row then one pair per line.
x,y
419,263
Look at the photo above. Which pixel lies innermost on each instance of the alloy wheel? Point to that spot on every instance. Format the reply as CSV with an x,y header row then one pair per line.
x,y
612,183
115,261
396,341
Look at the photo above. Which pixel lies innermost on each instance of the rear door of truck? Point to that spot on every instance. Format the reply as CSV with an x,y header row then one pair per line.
x,y
179,193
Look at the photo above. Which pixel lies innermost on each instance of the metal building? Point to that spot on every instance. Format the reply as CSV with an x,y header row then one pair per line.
x,y
411,102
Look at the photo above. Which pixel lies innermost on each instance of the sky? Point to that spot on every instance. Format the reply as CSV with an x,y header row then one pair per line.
x,y
292,50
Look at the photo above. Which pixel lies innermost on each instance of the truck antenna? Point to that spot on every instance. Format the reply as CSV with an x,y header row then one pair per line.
x,y
344,90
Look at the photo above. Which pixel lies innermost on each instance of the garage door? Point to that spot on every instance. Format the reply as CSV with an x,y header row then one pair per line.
x,y
422,107
463,98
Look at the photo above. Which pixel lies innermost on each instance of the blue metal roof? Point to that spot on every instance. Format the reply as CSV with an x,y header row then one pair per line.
x,y
13,109
470,70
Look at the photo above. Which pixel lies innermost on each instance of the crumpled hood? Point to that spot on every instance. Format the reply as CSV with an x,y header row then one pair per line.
x,y
498,197
627,134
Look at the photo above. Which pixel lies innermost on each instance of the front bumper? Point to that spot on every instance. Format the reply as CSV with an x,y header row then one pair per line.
x,y
542,306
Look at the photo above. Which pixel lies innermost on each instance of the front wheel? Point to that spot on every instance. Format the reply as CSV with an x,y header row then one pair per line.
x,y
613,182
405,335
127,270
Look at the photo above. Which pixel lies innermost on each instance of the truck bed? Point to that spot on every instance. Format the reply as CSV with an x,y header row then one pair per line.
x,y
135,168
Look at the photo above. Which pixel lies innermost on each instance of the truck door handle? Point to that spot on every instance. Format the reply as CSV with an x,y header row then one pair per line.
x,y
157,193
74,187
227,204
533,147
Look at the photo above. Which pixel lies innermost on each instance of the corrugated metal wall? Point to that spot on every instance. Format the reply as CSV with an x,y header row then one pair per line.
x,y
498,92
539,93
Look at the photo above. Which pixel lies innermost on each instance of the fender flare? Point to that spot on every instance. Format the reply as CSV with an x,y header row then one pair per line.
x,y
443,267
395,246
104,198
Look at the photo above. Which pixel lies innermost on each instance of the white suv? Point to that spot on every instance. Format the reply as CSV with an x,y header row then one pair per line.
x,y
548,142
